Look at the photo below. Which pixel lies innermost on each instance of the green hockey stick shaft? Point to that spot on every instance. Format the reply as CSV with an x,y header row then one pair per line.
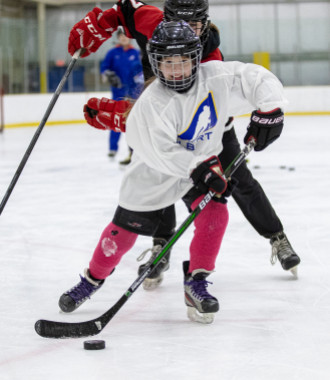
x,y
53,329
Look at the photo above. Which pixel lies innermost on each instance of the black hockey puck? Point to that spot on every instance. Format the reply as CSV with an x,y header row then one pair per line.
x,y
94,344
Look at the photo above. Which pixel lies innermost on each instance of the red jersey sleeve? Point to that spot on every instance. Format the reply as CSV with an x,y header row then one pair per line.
x,y
138,19
146,19
214,55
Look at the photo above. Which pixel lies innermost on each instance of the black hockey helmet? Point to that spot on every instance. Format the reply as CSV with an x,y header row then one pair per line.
x,y
175,38
189,11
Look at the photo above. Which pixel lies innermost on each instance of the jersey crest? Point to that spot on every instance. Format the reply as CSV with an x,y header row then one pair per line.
x,y
199,129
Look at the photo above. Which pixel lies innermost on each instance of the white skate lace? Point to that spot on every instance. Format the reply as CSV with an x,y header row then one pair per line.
x,y
154,251
281,249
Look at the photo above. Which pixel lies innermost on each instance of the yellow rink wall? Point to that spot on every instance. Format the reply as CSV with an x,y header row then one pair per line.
x,y
262,58
27,110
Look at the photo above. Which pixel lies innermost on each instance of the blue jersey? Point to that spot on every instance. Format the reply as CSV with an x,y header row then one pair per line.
x,y
127,66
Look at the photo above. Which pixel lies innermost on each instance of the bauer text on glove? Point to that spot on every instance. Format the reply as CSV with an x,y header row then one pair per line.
x,y
208,176
107,114
264,127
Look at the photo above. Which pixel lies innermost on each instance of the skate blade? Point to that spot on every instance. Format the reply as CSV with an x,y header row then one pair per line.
x,y
195,316
152,283
294,271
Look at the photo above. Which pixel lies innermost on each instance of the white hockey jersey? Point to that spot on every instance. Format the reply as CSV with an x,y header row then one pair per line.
x,y
172,133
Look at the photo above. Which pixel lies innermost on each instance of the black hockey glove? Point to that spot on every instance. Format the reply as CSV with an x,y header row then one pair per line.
x,y
231,186
208,176
112,78
265,127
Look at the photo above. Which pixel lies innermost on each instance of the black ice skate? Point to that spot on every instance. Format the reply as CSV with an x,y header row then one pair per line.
x,y
283,251
201,305
112,154
76,296
127,160
156,277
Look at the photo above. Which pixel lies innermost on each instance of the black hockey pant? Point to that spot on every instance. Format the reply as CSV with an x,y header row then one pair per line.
x,y
248,195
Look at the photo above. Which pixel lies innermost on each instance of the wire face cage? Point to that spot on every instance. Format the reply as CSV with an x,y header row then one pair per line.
x,y
178,72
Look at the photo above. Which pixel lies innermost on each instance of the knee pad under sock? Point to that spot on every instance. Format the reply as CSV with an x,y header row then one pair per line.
x,y
210,227
113,244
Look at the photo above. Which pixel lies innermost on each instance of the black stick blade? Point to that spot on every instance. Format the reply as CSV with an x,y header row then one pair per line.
x,y
60,330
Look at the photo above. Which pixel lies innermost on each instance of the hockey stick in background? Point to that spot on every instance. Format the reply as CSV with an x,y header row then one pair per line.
x,y
50,107
53,329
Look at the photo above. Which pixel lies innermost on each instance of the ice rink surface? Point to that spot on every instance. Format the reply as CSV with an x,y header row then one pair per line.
x,y
270,326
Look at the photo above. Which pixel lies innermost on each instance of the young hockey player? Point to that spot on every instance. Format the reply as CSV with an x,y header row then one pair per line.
x,y
122,69
139,21
175,129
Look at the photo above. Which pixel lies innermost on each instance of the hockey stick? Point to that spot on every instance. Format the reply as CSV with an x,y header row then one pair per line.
x,y
50,107
53,329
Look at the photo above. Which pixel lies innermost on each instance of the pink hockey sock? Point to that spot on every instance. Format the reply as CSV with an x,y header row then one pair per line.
x,y
210,227
113,244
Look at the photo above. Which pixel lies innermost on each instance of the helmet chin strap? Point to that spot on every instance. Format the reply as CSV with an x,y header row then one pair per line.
x,y
186,88
205,31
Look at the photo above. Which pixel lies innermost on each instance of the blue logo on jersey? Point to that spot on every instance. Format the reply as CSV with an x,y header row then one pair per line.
x,y
204,119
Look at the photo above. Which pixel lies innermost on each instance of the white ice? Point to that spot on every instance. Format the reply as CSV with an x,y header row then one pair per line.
x,y
270,326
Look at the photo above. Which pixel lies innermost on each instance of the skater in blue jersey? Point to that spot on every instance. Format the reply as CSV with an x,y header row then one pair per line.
x,y
122,69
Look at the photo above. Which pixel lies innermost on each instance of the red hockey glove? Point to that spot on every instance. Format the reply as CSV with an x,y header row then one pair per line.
x,y
265,127
107,114
208,176
92,31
